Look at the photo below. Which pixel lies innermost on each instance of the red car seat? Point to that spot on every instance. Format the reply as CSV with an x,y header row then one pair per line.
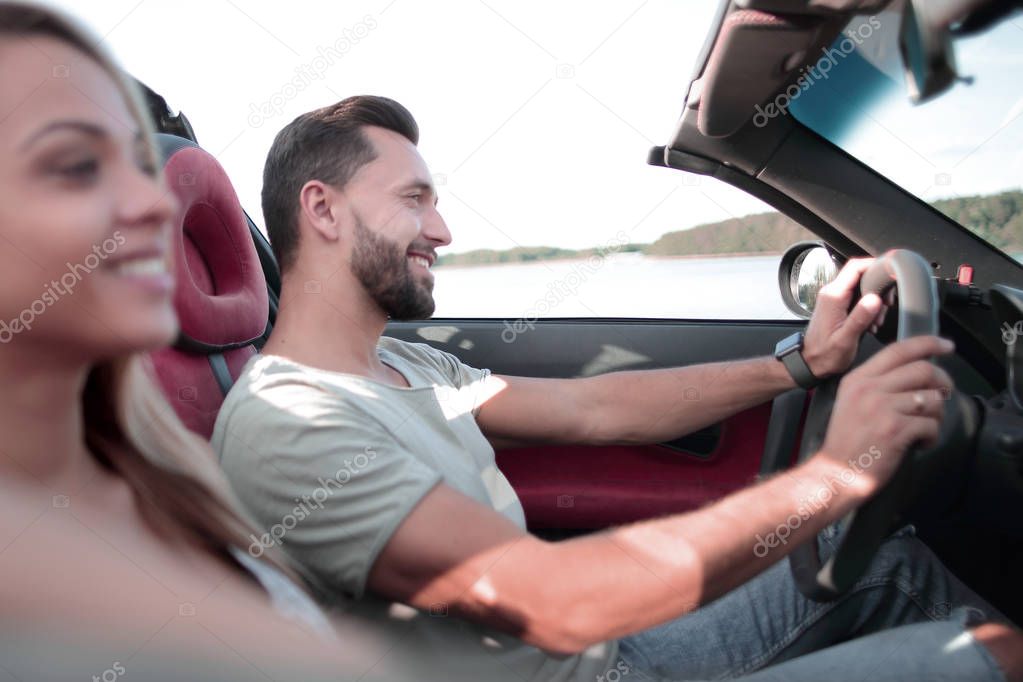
x,y
221,293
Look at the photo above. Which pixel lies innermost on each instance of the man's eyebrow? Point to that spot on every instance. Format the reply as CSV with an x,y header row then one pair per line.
x,y
416,184
90,129
424,185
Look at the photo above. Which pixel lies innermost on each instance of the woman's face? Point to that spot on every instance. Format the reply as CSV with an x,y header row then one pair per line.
x,y
84,224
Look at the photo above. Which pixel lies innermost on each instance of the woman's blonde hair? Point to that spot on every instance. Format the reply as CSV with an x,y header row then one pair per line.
x,y
129,425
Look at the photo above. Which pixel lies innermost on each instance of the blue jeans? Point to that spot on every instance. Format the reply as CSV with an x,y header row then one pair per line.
x,y
906,619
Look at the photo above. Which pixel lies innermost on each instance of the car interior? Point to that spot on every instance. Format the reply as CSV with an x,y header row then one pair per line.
x,y
964,495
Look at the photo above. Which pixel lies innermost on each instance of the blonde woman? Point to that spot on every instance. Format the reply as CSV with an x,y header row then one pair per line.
x,y
114,514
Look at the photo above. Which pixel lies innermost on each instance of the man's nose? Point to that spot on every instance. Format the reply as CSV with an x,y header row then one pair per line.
x,y
436,230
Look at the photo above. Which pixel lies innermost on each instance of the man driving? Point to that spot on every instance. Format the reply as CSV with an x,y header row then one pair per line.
x,y
370,460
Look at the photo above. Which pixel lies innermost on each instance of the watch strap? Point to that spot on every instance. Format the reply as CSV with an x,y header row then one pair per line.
x,y
800,371
790,351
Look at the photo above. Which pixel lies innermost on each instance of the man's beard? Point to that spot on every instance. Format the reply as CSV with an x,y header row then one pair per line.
x,y
382,267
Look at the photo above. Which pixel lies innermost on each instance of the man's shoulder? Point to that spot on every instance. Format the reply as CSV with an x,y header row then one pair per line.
x,y
265,375
422,355
410,350
271,390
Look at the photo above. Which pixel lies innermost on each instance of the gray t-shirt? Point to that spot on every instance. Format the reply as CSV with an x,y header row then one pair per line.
x,y
330,464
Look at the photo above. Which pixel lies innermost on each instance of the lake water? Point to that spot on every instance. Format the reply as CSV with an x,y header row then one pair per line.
x,y
620,285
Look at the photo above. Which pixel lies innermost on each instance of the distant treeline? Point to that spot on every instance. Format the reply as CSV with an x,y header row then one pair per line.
x,y
997,218
525,254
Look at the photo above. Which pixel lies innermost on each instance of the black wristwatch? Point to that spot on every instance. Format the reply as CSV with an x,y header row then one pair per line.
x,y
789,351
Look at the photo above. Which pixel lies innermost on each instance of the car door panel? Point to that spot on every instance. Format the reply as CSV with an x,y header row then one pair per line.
x,y
584,487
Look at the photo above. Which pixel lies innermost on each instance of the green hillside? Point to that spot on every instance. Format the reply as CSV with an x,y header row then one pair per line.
x,y
997,218
523,254
760,233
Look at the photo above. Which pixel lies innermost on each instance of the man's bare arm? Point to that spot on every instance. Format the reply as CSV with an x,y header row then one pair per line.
x,y
565,596
645,406
652,406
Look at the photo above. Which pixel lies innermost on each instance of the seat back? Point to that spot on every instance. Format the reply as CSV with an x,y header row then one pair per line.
x,y
220,295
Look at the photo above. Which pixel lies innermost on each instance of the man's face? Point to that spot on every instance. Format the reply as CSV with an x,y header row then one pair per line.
x,y
382,267
396,227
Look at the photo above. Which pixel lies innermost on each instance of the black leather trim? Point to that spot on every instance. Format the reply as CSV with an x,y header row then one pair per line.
x,y
190,345
780,441
700,444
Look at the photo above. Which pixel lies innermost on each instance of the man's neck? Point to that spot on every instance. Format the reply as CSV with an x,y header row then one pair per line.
x,y
333,327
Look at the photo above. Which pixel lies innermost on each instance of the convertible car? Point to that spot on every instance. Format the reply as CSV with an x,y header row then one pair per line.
x,y
758,118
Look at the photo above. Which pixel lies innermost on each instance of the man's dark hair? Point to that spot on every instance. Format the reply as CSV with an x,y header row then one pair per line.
x,y
329,145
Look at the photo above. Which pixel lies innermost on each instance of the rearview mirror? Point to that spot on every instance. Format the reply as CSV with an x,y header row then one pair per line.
x,y
927,56
925,39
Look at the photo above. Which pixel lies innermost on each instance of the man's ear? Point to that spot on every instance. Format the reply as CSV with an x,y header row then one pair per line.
x,y
321,206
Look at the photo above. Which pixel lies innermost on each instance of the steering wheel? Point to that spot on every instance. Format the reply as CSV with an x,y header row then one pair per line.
x,y
925,479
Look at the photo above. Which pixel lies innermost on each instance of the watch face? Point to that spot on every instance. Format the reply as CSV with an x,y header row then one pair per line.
x,y
789,344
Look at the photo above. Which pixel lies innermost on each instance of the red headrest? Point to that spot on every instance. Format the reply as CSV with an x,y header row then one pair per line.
x,y
221,296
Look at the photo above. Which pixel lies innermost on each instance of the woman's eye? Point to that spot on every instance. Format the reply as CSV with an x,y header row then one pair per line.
x,y
80,170
144,162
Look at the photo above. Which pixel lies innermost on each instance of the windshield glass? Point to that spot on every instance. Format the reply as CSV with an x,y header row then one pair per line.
x,y
962,151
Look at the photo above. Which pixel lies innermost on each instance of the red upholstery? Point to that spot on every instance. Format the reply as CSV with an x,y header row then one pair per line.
x,y
595,487
188,382
220,295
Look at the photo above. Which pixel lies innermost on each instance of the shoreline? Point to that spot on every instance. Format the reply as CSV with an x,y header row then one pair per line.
x,y
1016,255
576,259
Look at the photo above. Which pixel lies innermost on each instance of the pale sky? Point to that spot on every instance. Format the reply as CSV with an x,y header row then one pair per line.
x,y
967,141
536,116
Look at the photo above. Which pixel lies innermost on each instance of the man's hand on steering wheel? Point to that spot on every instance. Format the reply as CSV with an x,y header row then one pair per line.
x,y
861,423
893,399
834,332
